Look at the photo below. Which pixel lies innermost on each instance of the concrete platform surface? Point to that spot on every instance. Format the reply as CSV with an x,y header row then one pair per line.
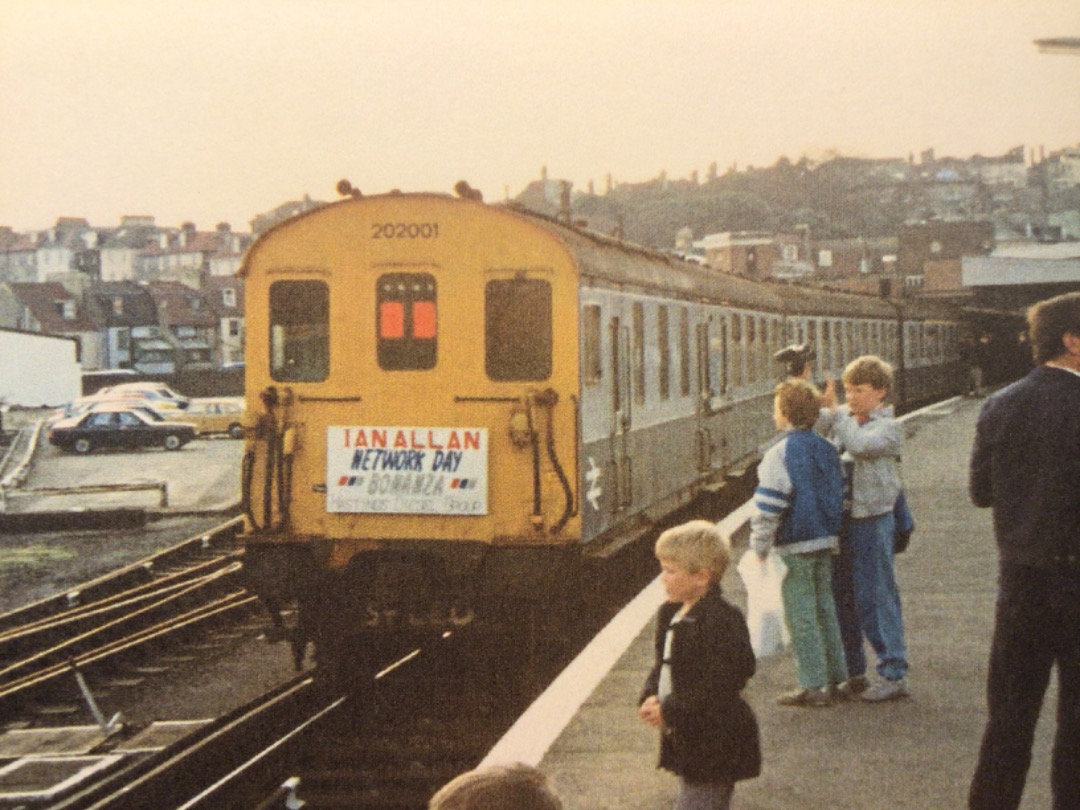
x,y
915,753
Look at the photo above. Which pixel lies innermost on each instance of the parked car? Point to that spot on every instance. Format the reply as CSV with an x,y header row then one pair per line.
x,y
98,402
121,427
214,415
154,391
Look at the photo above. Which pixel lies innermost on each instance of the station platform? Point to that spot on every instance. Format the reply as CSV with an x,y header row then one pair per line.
x,y
918,752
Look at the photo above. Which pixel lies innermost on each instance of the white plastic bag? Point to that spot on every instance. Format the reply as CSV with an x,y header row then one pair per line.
x,y
764,605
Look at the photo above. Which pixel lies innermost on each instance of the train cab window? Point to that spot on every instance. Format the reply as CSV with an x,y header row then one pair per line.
x,y
638,349
684,352
664,340
299,331
406,321
517,329
591,362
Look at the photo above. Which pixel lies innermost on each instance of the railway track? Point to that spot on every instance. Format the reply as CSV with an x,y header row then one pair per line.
x,y
378,740
390,744
177,591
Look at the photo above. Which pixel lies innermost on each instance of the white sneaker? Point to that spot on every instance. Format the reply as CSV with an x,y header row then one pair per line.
x,y
886,690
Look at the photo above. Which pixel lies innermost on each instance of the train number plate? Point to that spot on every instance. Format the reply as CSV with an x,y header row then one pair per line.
x,y
407,470
382,617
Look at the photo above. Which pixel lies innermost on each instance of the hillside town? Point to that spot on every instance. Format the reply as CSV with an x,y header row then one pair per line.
x,y
995,232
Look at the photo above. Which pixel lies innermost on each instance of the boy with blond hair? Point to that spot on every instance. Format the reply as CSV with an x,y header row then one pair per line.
x,y
498,787
709,735
799,505
870,440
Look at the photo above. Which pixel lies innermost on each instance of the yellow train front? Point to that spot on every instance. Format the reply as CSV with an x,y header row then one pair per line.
x,y
412,464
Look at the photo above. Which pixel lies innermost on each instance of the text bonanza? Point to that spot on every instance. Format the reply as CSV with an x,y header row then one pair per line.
x,y
407,470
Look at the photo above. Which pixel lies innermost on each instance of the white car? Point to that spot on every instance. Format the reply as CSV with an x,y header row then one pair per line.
x,y
155,392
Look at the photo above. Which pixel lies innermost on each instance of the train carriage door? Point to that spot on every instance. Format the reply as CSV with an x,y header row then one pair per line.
x,y
621,411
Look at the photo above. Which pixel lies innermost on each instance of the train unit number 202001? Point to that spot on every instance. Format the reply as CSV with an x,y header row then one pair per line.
x,y
405,230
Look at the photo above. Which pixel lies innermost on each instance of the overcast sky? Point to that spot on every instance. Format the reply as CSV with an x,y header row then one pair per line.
x,y
218,110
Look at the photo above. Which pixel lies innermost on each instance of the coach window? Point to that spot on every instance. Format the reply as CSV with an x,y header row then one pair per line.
x,y
721,357
684,352
736,351
517,329
592,366
768,335
811,341
638,358
704,371
299,331
406,321
751,349
826,345
664,340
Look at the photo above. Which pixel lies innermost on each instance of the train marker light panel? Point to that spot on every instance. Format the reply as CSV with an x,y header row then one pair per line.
x,y
407,470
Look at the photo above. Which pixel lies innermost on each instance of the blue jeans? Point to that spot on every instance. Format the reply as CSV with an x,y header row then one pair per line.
x,y
844,595
877,599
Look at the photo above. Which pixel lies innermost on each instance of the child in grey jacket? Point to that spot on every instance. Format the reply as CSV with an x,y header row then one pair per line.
x,y
871,439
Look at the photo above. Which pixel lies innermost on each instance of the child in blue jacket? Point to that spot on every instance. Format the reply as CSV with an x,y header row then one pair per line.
x,y
799,508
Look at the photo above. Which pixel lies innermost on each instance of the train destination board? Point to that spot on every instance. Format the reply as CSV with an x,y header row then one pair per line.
x,y
407,470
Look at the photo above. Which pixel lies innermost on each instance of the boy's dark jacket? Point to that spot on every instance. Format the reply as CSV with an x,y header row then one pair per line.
x,y
711,734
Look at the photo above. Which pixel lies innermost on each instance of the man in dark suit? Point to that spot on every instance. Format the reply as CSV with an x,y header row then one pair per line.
x,y
1026,465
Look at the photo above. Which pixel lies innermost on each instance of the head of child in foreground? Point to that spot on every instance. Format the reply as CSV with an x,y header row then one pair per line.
x,y
692,557
497,787
867,381
797,405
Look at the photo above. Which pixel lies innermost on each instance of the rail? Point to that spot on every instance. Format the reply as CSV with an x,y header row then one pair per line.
x,y
168,592
181,770
90,489
122,579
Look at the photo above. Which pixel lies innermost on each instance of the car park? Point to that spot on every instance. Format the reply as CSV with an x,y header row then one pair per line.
x,y
118,427
213,415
